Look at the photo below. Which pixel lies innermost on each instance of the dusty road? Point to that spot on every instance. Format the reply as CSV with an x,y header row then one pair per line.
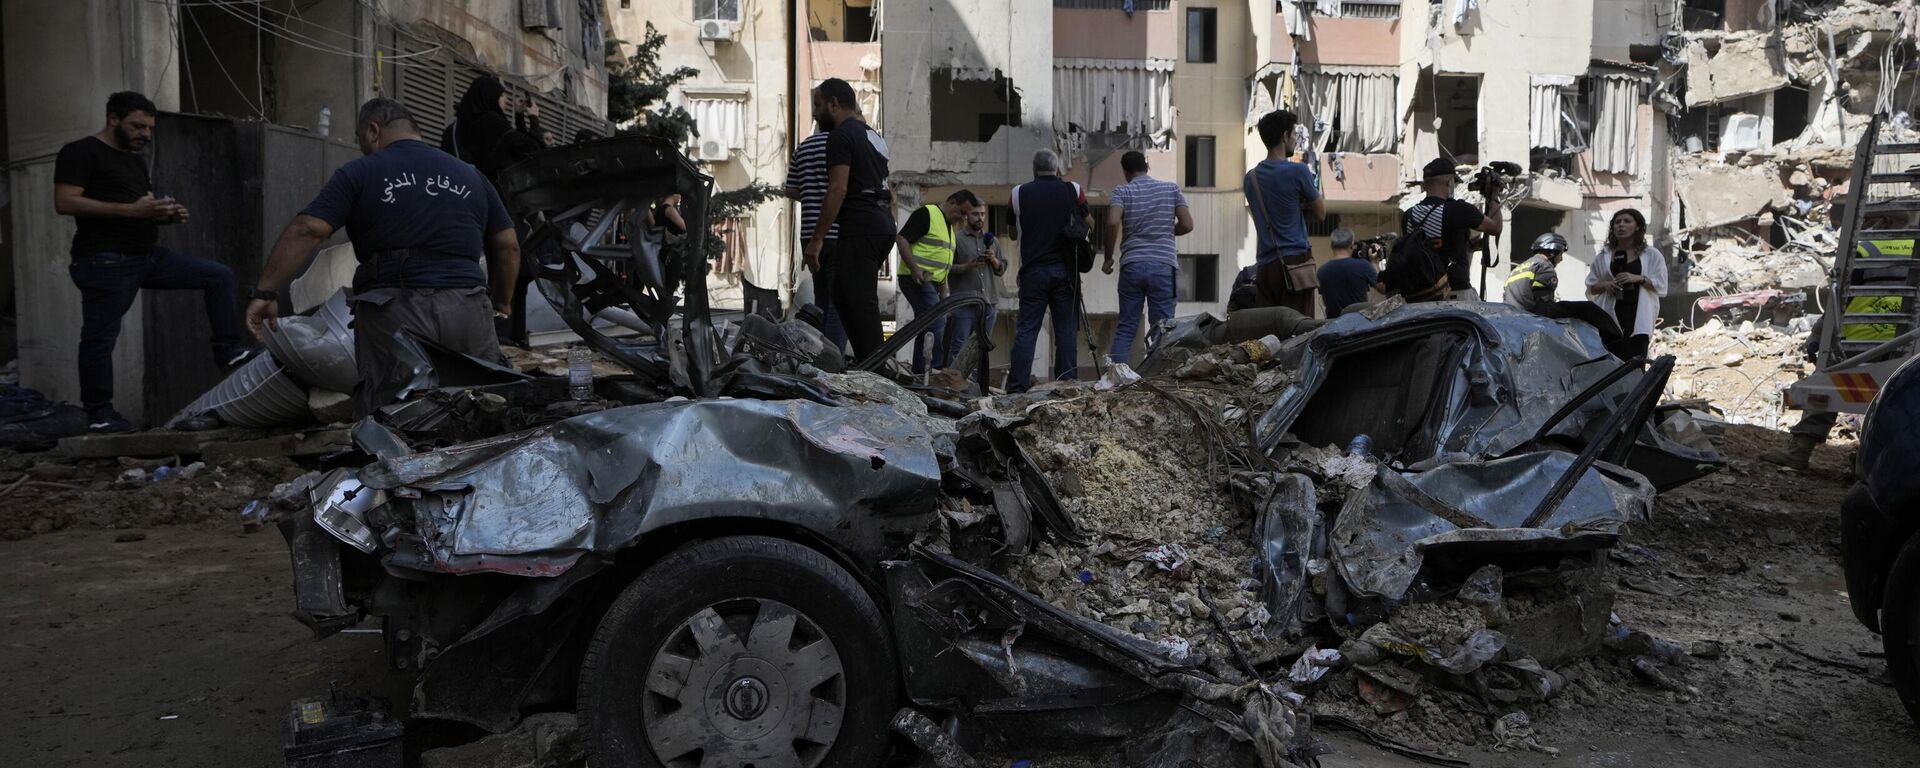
x,y
176,649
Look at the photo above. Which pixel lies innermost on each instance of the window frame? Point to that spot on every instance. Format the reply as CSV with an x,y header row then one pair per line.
x,y
1192,168
1209,36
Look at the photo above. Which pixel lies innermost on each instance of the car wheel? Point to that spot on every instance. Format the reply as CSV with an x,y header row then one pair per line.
x,y
742,651
1900,625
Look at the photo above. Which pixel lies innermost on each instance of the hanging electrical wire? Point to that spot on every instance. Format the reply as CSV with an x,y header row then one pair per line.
x,y
285,33
257,111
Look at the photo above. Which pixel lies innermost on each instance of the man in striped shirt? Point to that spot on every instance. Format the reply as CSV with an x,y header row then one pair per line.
x,y
807,185
1143,218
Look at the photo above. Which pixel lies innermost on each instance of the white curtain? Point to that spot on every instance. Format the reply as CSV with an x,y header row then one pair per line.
x,y
1546,119
1101,95
720,118
1359,99
1616,103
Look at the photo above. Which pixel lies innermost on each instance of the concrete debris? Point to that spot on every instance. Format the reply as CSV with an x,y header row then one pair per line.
x,y
1717,194
1739,369
1744,65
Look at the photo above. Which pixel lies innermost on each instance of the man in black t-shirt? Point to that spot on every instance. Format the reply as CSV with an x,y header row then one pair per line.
x,y
858,208
420,221
102,182
1440,218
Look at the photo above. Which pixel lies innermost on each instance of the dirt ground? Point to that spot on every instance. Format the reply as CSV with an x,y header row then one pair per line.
x,y
176,648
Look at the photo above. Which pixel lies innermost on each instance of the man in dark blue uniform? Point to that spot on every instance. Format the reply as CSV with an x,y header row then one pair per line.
x,y
420,221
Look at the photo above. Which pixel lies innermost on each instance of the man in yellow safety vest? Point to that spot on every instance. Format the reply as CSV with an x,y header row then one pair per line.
x,y
925,244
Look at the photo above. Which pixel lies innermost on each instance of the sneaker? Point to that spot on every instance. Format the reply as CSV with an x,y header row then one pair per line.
x,y
108,421
239,357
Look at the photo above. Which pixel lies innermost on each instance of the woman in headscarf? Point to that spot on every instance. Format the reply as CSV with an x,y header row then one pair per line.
x,y
482,135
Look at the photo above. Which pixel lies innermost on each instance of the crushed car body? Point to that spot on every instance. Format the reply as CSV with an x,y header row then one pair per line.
x,y
1289,487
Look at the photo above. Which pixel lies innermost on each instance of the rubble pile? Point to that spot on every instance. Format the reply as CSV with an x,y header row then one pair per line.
x,y
1169,544
1739,369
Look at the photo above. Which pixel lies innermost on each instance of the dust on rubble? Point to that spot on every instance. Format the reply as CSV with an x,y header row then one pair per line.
x,y
1151,489
1740,370
42,495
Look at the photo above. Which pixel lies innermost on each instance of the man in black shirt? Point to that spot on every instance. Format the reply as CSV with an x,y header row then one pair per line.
x,y
859,205
1049,283
1441,219
103,184
420,221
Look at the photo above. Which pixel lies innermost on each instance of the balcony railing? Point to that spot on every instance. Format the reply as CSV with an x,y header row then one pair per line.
x,y
1349,9
1114,5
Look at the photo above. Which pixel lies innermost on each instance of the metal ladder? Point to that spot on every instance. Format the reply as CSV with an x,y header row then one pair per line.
x,y
1873,166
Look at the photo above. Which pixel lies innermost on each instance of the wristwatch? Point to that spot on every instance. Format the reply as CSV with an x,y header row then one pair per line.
x,y
262,294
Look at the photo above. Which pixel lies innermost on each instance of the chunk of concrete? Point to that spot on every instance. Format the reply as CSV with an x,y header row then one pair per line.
x,y
1743,66
329,407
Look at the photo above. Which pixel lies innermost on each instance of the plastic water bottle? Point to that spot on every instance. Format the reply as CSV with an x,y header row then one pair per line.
x,y
1362,445
580,373
326,120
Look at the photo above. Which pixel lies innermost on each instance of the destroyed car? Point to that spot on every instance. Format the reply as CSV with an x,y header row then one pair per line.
x,y
787,575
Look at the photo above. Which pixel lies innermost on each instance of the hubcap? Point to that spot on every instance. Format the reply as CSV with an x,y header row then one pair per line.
x,y
748,682
746,698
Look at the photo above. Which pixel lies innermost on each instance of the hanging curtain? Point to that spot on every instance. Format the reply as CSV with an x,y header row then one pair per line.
x,y
1545,120
1360,100
1617,98
1113,95
722,118
733,246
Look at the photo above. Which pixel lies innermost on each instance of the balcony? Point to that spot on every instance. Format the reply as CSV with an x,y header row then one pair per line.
x,y
1350,39
1090,29
845,61
1373,178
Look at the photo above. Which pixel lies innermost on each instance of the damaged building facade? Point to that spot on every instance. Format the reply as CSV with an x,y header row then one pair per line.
x,y
261,100
1716,120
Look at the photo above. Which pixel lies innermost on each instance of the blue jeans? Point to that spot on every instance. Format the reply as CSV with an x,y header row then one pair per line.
x,y
1149,281
1044,288
960,328
922,297
108,284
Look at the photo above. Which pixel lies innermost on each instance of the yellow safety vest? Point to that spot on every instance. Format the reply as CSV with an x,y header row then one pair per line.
x,y
1876,304
934,251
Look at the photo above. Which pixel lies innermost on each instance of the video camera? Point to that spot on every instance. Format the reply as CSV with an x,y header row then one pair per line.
x,y
1498,169
1375,248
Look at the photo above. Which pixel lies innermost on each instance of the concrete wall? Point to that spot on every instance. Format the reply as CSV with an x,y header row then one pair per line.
x,y
1087,33
755,64
1211,99
978,38
1505,44
1618,24
1372,42
64,59
491,31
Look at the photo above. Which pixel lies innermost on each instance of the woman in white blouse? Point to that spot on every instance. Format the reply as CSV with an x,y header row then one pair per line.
x,y
1627,279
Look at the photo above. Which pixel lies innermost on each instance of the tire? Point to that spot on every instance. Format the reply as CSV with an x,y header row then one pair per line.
x,y
1900,625
687,664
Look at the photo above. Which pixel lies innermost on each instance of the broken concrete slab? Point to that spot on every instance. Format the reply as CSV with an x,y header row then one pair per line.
x,y
1716,194
293,444
153,444
329,407
1743,66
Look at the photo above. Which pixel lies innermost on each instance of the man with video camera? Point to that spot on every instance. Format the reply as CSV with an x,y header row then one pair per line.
x,y
1432,260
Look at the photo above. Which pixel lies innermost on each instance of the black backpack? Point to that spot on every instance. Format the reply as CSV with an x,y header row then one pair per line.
x,y
1416,269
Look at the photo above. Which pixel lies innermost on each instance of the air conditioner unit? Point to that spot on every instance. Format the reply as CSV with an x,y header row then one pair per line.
x,y
719,30
713,151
